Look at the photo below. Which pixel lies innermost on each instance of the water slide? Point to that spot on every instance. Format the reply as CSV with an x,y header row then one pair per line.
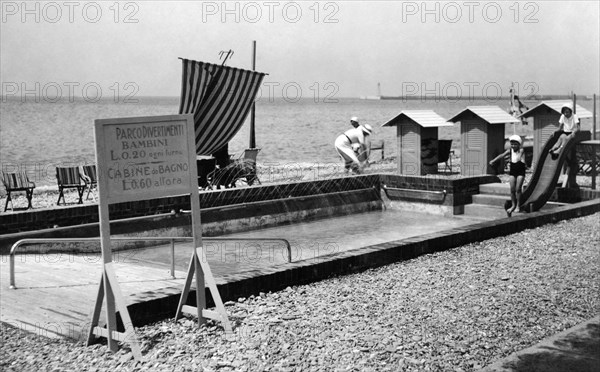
x,y
547,171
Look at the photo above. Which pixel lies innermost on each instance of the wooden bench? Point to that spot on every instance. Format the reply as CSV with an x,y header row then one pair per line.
x,y
70,178
16,182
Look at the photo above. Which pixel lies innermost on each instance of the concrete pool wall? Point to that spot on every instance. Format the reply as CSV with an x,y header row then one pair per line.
x,y
244,209
150,306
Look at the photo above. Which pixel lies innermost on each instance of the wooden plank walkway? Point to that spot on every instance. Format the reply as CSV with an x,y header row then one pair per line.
x,y
56,293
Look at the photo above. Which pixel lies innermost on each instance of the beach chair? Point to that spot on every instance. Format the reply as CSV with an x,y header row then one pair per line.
x,y
241,169
70,178
249,165
17,182
90,177
445,153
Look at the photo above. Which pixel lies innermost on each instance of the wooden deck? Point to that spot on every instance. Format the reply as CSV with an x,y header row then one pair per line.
x,y
56,292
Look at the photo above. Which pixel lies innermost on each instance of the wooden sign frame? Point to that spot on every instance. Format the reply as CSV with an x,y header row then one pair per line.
x,y
143,158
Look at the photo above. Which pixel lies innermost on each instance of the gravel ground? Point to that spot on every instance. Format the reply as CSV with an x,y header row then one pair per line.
x,y
457,310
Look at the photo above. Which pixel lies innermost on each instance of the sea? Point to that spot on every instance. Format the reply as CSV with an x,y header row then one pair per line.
x,y
37,135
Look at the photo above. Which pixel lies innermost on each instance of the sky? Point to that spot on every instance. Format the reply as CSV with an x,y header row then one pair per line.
x,y
308,48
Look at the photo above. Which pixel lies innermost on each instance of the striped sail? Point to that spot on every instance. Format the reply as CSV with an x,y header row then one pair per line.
x,y
220,97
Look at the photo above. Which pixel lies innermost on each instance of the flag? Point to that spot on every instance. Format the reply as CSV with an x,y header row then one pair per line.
x,y
516,106
220,97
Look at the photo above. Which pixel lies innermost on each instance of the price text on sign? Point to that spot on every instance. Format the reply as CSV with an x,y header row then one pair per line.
x,y
146,159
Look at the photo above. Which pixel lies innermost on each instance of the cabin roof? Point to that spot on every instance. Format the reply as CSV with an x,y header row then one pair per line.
x,y
425,118
556,105
491,114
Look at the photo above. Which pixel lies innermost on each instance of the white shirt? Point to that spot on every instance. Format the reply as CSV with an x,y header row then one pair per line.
x,y
569,124
355,135
517,156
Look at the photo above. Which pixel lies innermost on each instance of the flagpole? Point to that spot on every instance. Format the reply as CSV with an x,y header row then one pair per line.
x,y
512,105
252,110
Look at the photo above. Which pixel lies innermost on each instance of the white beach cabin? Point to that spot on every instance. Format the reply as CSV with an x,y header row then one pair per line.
x,y
482,137
417,135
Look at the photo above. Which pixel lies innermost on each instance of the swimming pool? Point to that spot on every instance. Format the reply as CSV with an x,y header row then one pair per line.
x,y
308,240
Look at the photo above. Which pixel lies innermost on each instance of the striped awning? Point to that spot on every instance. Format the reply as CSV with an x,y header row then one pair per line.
x,y
220,97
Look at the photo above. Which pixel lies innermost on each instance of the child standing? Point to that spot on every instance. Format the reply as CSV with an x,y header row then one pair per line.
x,y
516,172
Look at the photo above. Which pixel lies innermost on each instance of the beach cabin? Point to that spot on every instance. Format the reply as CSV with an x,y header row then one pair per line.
x,y
417,135
481,137
545,121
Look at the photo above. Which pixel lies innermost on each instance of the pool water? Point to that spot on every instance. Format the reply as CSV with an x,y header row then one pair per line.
x,y
308,240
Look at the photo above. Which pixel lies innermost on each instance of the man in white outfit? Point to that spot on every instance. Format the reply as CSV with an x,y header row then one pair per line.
x,y
346,143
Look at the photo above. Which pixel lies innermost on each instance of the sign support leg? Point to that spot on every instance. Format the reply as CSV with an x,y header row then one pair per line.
x,y
109,289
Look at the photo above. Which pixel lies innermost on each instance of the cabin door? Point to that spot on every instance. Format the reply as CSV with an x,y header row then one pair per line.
x,y
410,149
473,160
545,126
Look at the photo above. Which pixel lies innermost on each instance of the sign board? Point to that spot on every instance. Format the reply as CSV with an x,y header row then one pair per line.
x,y
146,157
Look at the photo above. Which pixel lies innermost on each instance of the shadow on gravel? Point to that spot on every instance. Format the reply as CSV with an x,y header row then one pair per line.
x,y
578,352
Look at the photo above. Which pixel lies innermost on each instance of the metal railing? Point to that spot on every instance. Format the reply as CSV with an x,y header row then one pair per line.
x,y
441,194
172,240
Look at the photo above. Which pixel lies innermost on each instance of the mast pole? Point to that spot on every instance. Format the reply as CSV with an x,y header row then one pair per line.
x,y
252,143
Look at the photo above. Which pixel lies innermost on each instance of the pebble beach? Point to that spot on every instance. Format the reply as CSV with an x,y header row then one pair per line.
x,y
457,310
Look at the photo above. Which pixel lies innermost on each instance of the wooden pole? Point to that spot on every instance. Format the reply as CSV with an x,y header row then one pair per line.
x,y
594,154
253,110
594,124
572,160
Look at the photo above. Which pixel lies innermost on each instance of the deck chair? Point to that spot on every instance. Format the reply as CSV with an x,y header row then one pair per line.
x,y
241,169
90,177
69,178
17,182
249,163
445,154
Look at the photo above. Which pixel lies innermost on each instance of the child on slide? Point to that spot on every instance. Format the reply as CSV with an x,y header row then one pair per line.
x,y
568,125
516,172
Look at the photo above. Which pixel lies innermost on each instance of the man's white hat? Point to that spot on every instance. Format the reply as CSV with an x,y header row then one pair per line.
x,y
354,119
367,129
